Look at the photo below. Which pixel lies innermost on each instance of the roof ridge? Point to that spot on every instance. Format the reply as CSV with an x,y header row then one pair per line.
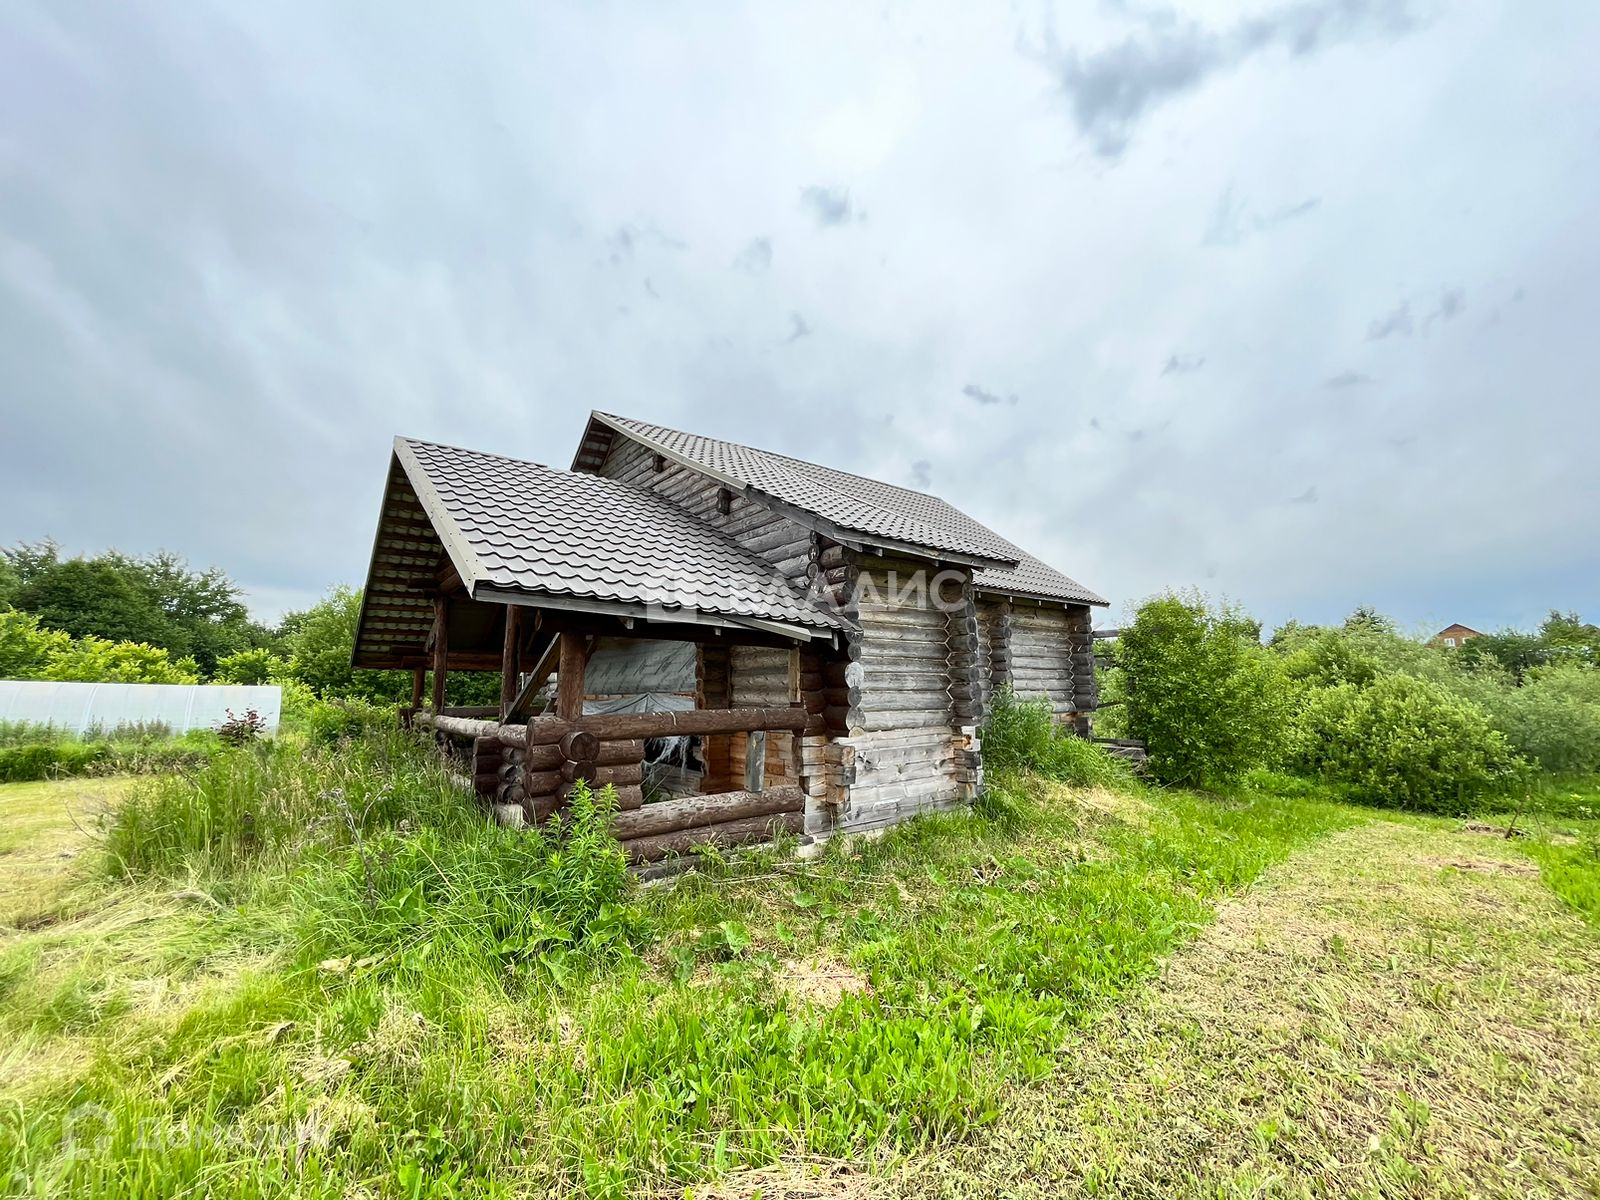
x,y
894,515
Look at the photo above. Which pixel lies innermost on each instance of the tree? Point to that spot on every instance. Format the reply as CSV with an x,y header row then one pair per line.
x,y
1368,619
252,667
93,597
1203,695
1571,637
157,600
96,660
25,647
322,643
1517,652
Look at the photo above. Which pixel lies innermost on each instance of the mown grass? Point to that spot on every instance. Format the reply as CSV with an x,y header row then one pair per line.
x,y
364,988
1401,1010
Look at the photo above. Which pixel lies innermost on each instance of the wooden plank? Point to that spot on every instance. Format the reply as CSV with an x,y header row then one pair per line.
x,y
755,760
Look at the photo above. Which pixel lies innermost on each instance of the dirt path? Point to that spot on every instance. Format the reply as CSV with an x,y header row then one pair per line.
x,y
1398,1011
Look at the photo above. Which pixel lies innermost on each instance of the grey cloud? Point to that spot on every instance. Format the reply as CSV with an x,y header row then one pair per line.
x,y
755,257
798,328
1110,90
628,240
922,473
1395,324
1309,496
983,396
1451,302
1348,379
1234,220
1182,364
829,205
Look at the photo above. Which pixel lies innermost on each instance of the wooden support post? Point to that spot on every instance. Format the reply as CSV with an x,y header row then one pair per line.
x,y
755,760
510,660
441,650
569,676
418,679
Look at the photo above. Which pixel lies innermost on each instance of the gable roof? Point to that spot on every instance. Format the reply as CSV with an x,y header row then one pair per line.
x,y
894,517
511,527
850,508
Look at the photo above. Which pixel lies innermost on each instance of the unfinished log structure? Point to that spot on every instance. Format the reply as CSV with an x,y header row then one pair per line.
x,y
847,634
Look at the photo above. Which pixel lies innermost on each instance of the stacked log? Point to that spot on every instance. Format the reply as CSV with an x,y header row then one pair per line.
x,y
966,687
729,819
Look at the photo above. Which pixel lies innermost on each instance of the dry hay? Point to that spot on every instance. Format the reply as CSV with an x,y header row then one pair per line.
x,y
810,1179
820,981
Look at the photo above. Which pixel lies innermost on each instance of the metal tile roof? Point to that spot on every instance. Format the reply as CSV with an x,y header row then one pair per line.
x,y
880,511
865,506
1030,577
519,526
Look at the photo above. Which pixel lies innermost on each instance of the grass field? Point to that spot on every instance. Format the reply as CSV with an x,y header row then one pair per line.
x,y
1079,992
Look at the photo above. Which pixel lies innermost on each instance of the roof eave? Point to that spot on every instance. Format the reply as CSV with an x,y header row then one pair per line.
x,y
643,612
1020,594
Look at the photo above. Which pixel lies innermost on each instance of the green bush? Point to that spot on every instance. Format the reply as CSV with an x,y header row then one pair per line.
x,y
327,722
49,760
1553,719
251,667
1023,735
1403,743
1208,702
34,752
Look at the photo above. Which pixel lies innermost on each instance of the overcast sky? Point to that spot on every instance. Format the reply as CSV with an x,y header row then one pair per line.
x,y
1299,306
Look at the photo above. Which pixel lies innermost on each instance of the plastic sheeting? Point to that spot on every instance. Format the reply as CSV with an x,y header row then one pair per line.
x,y
644,702
79,707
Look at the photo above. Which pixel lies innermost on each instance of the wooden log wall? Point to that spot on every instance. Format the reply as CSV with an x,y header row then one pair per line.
x,y
1051,654
900,750
994,639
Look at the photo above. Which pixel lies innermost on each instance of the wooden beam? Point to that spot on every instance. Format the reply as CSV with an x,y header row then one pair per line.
x,y
616,727
739,832
418,678
542,666
692,812
441,650
574,658
510,661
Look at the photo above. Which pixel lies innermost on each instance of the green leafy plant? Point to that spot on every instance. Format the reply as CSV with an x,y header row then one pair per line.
x,y
1404,743
1203,695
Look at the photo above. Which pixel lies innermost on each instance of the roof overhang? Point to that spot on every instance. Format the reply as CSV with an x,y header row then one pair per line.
x,y
1039,598
647,614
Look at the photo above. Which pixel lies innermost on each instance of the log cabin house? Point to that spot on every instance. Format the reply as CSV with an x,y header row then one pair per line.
x,y
846,634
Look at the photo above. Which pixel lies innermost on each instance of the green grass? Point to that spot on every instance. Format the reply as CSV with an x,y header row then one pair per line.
x,y
1401,1010
1565,842
365,988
